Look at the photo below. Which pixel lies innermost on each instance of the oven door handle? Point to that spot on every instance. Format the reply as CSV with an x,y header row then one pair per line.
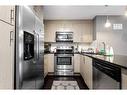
x,y
63,56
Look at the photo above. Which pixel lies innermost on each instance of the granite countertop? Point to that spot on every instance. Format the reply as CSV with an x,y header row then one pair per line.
x,y
119,60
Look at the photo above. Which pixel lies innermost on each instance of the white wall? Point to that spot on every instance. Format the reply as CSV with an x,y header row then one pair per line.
x,y
115,38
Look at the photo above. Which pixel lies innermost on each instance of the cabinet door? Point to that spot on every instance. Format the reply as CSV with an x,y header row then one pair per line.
x,y
76,29
124,79
45,65
50,30
50,62
6,56
7,13
81,66
76,63
88,71
87,33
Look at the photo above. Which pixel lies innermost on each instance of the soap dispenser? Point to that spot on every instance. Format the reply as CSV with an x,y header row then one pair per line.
x,y
107,50
111,51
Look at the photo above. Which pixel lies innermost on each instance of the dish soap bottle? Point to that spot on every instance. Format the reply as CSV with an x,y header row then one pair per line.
x,y
107,50
111,51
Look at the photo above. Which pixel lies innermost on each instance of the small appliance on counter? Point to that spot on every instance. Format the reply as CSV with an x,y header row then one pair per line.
x,y
88,51
76,49
47,47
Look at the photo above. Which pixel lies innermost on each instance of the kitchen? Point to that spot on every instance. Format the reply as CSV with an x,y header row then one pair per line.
x,y
64,47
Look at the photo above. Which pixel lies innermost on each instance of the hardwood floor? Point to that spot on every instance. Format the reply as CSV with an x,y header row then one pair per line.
x,y
50,78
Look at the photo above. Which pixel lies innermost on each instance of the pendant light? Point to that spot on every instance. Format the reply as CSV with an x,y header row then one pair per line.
x,y
107,24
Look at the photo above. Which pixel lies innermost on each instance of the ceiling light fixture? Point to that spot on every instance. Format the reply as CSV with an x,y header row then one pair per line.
x,y
107,24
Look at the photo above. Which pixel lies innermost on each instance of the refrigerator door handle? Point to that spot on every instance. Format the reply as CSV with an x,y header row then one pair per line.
x,y
37,45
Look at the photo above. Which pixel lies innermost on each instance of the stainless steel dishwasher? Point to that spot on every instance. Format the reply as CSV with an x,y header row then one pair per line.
x,y
106,75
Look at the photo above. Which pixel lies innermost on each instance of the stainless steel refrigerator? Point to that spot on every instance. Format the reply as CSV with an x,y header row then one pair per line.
x,y
29,54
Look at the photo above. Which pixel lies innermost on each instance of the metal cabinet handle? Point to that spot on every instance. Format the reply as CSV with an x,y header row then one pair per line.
x,y
12,16
11,37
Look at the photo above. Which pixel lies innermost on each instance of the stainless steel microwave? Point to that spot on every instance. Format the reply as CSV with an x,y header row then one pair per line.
x,y
64,36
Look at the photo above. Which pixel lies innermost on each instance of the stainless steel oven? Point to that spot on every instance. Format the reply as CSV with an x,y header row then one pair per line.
x,y
64,61
64,36
64,64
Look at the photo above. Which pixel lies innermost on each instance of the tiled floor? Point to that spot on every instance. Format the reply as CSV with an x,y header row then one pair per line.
x,y
61,81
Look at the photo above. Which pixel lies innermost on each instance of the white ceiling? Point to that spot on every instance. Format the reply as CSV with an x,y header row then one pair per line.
x,y
80,12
